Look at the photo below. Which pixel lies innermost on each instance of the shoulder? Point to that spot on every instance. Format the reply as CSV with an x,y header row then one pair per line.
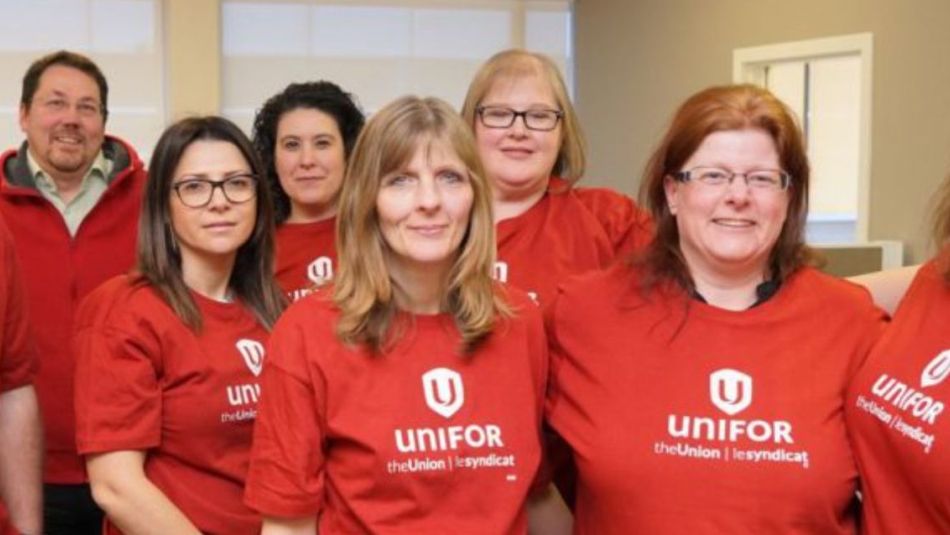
x,y
125,159
579,295
121,301
825,290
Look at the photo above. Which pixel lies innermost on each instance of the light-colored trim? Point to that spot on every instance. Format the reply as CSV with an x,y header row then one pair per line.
x,y
747,67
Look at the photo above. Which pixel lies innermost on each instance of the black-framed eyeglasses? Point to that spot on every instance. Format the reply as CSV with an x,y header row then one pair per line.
x,y
503,117
716,177
197,192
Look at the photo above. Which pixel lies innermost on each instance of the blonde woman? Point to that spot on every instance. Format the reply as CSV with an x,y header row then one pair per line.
x,y
407,397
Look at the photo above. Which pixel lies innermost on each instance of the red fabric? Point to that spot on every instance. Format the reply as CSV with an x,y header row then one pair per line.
x,y
569,231
306,256
58,271
17,353
905,461
147,382
627,372
6,528
327,441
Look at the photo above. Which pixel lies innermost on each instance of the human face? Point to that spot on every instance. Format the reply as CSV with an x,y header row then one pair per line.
x,y
63,124
729,230
423,212
517,160
215,231
310,163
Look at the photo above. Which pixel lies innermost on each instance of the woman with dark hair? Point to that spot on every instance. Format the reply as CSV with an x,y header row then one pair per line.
x,y
305,135
533,149
737,351
896,404
406,397
168,357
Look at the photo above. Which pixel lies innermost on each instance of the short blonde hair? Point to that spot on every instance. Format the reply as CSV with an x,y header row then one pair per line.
x,y
517,63
363,290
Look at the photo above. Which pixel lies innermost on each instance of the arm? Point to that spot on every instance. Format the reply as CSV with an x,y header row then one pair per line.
x,y
289,526
21,458
548,515
887,287
132,502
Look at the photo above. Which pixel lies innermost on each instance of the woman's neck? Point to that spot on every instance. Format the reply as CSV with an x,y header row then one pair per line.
x,y
729,292
507,204
208,275
418,291
300,213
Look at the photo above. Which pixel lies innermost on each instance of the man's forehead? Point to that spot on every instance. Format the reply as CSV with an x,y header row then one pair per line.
x,y
66,80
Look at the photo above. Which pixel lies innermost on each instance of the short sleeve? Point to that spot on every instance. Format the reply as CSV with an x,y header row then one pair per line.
x,y
286,475
118,394
628,227
18,360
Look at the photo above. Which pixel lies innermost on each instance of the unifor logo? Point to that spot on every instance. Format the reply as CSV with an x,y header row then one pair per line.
x,y
320,270
937,370
253,353
443,390
730,391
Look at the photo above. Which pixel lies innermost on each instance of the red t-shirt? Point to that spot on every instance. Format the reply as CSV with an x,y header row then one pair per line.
x,y
145,381
896,409
418,440
569,231
306,256
17,353
684,418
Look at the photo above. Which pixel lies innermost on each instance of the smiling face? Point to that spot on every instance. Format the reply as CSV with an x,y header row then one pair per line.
x,y
519,161
423,212
730,229
215,231
310,162
63,123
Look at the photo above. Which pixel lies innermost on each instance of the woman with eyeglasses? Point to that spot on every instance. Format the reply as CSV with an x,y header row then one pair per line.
x,y
897,404
532,146
169,356
407,396
304,135
701,386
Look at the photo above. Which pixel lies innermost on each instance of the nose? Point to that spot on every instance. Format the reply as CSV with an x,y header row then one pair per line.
x,y
737,191
218,200
428,196
519,128
308,156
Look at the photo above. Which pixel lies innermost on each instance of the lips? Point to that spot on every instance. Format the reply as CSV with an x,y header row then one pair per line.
x,y
221,225
428,230
68,139
517,152
734,222
309,178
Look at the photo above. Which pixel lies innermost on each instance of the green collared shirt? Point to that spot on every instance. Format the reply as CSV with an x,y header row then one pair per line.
x,y
93,185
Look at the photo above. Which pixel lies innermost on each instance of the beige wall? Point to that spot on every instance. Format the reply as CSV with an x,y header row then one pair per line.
x,y
637,60
193,57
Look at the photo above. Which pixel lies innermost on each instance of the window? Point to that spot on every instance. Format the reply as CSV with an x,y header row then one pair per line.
x,y
377,50
121,36
827,83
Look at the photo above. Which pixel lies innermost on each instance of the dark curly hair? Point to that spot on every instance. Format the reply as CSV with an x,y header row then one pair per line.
x,y
321,95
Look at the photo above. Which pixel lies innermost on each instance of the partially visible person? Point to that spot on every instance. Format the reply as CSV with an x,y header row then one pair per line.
x,y
70,196
21,436
889,286
897,402
169,357
701,386
533,149
413,386
304,135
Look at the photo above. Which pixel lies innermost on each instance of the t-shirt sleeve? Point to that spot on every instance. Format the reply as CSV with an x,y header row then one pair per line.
x,y
118,393
286,474
628,227
18,361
